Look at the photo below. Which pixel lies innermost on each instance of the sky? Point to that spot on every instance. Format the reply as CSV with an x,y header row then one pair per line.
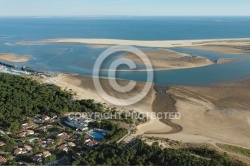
x,y
124,7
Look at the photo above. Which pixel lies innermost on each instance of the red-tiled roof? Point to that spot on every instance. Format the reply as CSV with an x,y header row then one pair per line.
x,y
63,147
2,159
71,144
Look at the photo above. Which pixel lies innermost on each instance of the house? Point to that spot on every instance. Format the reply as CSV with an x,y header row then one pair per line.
x,y
37,157
19,151
22,134
2,160
71,144
87,141
43,128
27,125
46,154
63,135
45,117
42,144
30,132
92,143
26,133
28,148
2,143
63,147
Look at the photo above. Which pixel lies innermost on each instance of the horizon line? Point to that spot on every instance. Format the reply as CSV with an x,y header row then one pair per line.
x,y
55,16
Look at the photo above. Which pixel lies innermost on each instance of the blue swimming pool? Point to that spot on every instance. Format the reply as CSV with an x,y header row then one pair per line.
x,y
96,135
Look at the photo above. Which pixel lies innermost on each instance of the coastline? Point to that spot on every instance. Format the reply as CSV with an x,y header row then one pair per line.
x,y
202,108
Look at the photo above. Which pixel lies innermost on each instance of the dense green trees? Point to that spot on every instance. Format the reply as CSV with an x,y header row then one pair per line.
x,y
140,153
21,97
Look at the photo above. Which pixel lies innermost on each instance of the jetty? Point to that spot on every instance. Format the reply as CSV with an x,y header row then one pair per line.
x,y
7,65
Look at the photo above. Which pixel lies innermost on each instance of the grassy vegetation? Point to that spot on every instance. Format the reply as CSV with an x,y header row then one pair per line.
x,y
235,149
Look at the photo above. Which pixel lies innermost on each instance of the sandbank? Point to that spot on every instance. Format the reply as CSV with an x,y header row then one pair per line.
x,y
14,58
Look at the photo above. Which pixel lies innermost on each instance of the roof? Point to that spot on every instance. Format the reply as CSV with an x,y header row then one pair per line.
x,y
87,141
22,134
19,150
92,143
27,125
36,158
42,128
46,153
71,144
2,143
63,135
2,159
63,147
45,117
27,147
30,132
42,143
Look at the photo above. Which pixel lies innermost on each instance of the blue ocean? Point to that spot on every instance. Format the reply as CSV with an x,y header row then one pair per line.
x,y
79,58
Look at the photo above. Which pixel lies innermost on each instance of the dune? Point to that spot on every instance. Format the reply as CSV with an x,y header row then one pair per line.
x,y
14,58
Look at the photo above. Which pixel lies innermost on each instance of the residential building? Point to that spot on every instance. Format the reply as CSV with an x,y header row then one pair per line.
x,y
42,144
63,135
2,160
71,144
28,148
27,125
2,143
46,154
19,151
45,117
92,143
63,147
30,132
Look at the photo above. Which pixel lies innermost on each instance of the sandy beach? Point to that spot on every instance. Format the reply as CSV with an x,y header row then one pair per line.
x,y
163,43
14,58
84,88
212,114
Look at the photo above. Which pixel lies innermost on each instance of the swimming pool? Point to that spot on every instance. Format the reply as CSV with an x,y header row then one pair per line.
x,y
96,135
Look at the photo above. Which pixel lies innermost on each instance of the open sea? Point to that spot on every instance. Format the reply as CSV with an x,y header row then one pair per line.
x,y
79,58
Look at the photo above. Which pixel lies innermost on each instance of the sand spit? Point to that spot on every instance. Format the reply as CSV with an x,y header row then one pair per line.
x,y
164,59
14,58
231,48
166,43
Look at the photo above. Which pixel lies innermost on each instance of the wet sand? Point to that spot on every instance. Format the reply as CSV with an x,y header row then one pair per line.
x,y
14,58
164,59
211,114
